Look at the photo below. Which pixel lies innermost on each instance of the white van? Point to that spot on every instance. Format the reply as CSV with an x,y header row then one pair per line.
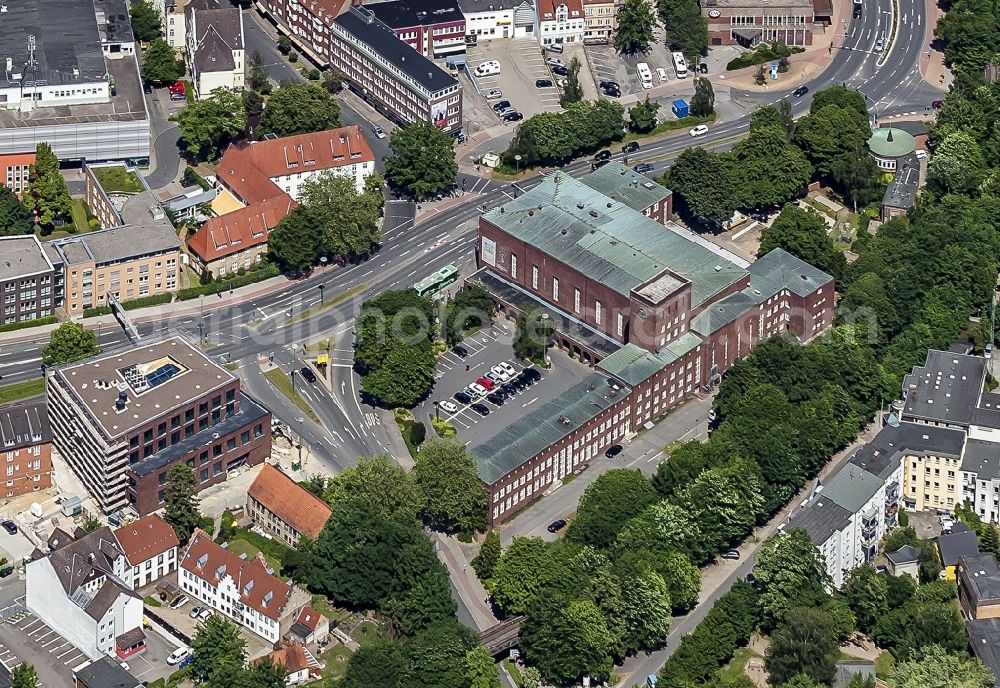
x,y
555,47
489,68
645,76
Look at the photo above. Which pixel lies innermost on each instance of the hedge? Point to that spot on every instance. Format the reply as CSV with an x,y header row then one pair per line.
x,y
47,320
763,53
141,302
266,271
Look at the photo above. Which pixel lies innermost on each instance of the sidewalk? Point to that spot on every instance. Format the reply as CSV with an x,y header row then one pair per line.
x,y
464,578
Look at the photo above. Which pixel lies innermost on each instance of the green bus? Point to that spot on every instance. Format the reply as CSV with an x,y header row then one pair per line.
x,y
438,281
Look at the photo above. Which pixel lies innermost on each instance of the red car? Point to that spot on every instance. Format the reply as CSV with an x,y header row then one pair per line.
x,y
176,91
486,382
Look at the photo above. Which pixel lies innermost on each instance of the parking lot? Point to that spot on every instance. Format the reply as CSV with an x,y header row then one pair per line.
x,y
521,64
486,349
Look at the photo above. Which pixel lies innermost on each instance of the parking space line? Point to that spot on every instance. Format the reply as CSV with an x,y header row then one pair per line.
x,y
30,623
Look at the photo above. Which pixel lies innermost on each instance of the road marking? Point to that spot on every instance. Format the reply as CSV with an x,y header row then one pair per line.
x,y
528,403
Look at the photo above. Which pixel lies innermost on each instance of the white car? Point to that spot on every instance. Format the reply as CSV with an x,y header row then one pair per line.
x,y
880,45
477,390
488,68
507,367
448,406
500,373
178,655
662,73
494,94
379,133
204,614
555,62
699,130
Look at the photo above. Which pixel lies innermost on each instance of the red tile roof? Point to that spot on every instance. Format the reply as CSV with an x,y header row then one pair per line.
x,y
146,538
547,9
309,618
292,657
239,230
290,502
258,588
321,150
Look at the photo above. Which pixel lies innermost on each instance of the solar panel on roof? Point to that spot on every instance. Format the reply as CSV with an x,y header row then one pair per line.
x,y
162,374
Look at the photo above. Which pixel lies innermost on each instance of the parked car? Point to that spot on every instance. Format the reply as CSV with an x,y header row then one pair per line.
x,y
532,374
643,168
378,131
501,106
613,451
511,388
477,390
462,397
856,12
555,62
500,372
497,397
800,91
559,70
6,571
308,374
880,45
699,130
556,526
730,554
702,68
10,527
543,83
460,351
448,406
178,655
146,88
481,409
630,147
556,47
612,92
602,155
936,104
177,91
512,116
494,93
195,611
494,378
179,602
604,85
486,383
662,74
508,368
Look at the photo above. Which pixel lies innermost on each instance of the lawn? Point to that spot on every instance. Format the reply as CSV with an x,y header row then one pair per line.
x,y
284,385
320,604
514,672
81,215
239,546
117,179
366,633
884,664
336,659
22,390
737,665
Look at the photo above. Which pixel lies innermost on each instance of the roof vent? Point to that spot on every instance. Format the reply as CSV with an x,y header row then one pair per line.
x,y
580,205
593,213
718,268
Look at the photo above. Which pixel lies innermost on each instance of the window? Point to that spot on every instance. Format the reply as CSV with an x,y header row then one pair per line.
x,y
513,266
555,289
534,277
576,300
621,325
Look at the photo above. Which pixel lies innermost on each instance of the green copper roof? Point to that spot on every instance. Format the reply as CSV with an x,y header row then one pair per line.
x,y
633,364
610,242
624,184
890,142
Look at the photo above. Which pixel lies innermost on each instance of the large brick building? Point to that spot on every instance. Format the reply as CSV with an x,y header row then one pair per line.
x,y
27,448
434,28
751,22
661,311
124,419
27,279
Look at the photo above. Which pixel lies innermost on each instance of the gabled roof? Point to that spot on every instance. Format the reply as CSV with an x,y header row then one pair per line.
x,y
779,270
983,574
309,618
907,554
293,657
625,185
82,561
258,588
320,150
632,364
547,9
239,230
146,538
955,545
24,425
213,54
290,502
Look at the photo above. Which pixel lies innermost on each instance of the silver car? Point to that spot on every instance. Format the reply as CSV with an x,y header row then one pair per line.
x,y
880,45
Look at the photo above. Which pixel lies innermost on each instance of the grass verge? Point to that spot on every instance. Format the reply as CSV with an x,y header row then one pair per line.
x,y
278,378
78,211
885,663
514,672
737,665
329,303
22,390
670,125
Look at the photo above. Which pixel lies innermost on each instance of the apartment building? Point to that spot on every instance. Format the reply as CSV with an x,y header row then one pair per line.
x,y
979,586
244,590
750,22
434,28
150,547
601,21
392,76
27,280
15,170
123,420
283,509
214,46
27,448
267,178
83,588
173,23
489,19
560,21
932,482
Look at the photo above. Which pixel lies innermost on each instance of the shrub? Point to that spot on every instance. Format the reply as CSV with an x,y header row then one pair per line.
x,y
418,432
47,320
141,302
257,274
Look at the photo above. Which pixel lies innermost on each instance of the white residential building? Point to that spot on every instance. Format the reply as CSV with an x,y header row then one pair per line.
x,y
215,48
489,19
150,546
561,21
83,589
244,590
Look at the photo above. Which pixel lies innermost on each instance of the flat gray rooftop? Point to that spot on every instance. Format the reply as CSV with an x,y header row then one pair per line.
x,y
21,256
118,243
156,377
67,40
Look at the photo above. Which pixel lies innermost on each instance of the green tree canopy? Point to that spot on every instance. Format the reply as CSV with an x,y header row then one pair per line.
x,y
767,170
299,109
935,667
15,218
69,342
567,642
24,676
607,504
958,164
216,642
789,573
181,510
489,554
422,163
380,663
803,233
572,90
47,196
642,116
481,670
207,125
829,132
687,29
804,642
701,182
551,138
703,100
159,64
346,220
145,20
454,498
294,244
856,176
533,335
867,594
379,482
635,27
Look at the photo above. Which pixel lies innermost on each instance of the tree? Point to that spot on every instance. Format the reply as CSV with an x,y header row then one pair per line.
x,y
299,109
530,678
572,90
454,498
842,97
380,663
867,594
489,555
15,219
91,523
958,164
481,670
803,643
216,642
567,642
294,244
253,103
934,667
346,220
533,335
471,307
333,82
379,482
263,673
257,77
69,342
829,132
687,29
635,27
779,116
47,195
646,609
24,676
607,504
181,510
663,527
703,100
159,64
701,182
642,116
856,176
284,45
145,20
767,169
803,233
208,124
422,163
789,573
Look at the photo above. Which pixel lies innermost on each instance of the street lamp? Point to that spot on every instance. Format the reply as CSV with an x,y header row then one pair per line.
x,y
321,288
293,380
201,332
517,164
873,102
437,412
